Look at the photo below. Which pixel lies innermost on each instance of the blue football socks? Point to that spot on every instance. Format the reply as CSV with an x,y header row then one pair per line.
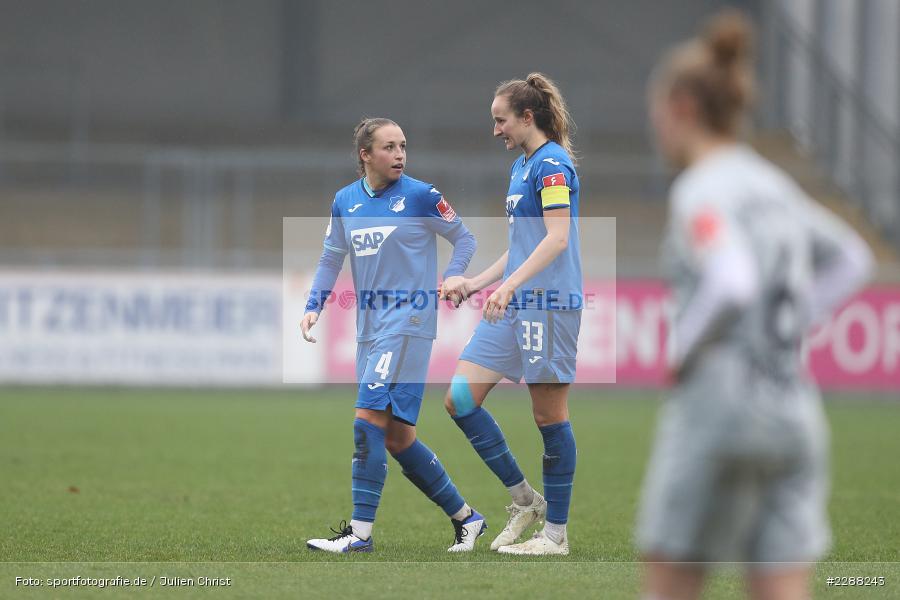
x,y
559,470
485,436
369,469
422,467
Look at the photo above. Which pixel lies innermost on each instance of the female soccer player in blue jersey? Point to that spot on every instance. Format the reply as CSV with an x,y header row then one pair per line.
x,y
388,222
531,322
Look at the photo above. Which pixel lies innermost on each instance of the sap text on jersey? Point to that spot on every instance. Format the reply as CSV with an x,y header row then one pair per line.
x,y
368,241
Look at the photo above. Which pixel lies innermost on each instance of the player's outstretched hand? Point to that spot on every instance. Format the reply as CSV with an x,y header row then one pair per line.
x,y
309,319
496,303
456,289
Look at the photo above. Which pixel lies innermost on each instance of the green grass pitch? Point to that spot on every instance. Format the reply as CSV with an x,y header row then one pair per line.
x,y
106,483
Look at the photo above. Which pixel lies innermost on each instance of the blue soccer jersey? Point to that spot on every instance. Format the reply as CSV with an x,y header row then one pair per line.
x,y
545,181
390,236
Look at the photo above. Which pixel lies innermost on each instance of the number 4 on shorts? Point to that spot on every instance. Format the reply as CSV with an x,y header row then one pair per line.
x,y
384,364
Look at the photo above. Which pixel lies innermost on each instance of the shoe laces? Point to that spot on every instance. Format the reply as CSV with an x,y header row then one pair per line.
x,y
515,512
459,530
345,530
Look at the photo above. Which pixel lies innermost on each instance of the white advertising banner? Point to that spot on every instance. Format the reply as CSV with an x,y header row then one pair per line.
x,y
158,328
221,330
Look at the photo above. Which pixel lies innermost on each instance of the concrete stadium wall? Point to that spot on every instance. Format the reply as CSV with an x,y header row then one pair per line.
x,y
121,61
223,63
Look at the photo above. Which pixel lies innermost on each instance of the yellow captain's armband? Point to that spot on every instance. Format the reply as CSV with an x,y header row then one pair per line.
x,y
556,196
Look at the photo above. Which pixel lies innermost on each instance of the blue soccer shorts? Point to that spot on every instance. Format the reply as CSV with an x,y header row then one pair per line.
x,y
391,371
539,345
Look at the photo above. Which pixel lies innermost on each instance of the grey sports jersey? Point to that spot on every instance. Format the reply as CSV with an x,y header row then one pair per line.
x,y
739,466
737,197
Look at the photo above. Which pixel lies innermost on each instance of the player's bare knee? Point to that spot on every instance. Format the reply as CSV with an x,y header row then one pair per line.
x,y
448,403
542,418
395,446
397,441
379,418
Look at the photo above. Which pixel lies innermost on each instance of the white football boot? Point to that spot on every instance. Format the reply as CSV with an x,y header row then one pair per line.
x,y
539,545
520,519
467,532
344,541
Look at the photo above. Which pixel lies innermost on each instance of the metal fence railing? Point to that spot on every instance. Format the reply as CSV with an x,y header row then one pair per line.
x,y
829,113
222,208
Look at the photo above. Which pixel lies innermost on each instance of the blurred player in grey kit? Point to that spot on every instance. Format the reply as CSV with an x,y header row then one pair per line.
x,y
739,470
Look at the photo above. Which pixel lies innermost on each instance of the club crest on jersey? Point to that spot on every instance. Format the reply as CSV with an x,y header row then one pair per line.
x,y
368,241
555,179
396,203
446,210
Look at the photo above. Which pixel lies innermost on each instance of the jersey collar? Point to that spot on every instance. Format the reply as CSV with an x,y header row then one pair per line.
x,y
372,193
533,154
369,191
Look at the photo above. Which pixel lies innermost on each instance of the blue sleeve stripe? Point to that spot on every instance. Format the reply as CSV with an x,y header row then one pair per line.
x,y
334,249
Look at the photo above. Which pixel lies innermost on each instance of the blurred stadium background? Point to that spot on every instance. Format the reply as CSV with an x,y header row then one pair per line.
x,y
146,135
138,138
149,152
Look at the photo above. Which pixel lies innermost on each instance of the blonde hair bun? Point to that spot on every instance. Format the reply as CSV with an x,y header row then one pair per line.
x,y
729,36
